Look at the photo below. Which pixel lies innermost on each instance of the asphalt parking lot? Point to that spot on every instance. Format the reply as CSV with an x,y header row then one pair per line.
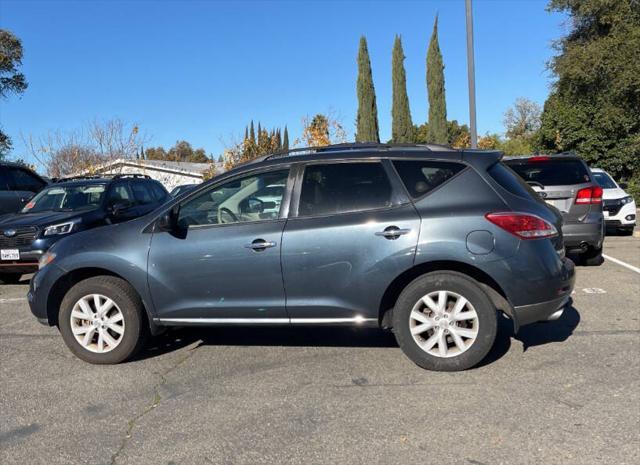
x,y
561,392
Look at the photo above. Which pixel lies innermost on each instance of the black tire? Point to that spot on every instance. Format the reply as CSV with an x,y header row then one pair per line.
x,y
627,231
10,278
130,305
592,257
459,284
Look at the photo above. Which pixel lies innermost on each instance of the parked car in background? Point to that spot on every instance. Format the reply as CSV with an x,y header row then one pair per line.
x,y
619,207
565,182
429,241
179,190
67,207
18,184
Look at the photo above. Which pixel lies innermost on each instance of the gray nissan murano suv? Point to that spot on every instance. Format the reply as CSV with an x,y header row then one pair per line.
x,y
431,242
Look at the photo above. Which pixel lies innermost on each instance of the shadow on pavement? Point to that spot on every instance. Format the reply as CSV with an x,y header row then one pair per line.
x,y
177,338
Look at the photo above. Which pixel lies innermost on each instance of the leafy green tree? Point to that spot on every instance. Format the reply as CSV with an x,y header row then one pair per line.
x,y
594,106
402,127
435,88
367,118
12,81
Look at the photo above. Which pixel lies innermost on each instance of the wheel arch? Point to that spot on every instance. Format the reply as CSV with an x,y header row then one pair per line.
x,y
68,280
490,286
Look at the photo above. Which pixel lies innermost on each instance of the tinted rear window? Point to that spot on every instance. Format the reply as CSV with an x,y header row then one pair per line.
x,y
509,180
421,177
552,172
344,187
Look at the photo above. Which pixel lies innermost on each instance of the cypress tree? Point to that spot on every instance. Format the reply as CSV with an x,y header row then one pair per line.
x,y
285,140
435,88
367,119
278,140
401,127
252,133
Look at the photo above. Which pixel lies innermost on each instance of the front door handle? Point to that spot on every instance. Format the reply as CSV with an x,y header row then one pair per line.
x,y
393,232
260,244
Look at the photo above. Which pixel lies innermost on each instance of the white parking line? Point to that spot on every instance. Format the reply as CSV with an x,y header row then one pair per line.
x,y
621,263
15,299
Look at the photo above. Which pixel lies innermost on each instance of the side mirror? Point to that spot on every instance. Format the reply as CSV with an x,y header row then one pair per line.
x,y
623,185
118,207
168,221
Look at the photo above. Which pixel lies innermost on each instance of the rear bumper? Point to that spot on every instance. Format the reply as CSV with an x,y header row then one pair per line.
x,y
590,233
543,311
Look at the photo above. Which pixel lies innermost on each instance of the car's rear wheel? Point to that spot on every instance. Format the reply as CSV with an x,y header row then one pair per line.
x,y
444,321
10,278
592,257
102,320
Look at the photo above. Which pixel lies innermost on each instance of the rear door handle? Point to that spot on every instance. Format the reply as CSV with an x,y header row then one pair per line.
x,y
393,232
260,244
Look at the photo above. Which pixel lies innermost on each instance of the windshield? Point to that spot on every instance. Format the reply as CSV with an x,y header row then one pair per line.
x,y
604,180
70,198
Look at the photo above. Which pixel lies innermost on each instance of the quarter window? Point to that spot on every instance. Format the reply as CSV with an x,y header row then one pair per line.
x,y
344,187
421,177
253,198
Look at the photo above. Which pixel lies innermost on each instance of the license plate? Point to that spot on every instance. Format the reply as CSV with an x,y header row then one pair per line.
x,y
9,254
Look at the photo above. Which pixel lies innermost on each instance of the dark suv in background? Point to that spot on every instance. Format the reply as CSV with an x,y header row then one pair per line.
x,y
566,182
18,184
426,240
67,207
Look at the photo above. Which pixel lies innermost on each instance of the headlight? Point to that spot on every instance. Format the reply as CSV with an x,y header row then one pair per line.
x,y
56,229
47,258
626,200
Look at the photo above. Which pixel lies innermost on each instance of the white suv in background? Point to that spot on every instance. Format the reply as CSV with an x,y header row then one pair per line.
x,y
618,207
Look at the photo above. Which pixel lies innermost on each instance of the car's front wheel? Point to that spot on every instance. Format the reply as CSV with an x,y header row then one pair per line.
x,y
102,320
444,321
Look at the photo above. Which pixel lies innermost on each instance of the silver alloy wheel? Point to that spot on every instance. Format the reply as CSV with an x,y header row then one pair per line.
x,y
444,324
97,323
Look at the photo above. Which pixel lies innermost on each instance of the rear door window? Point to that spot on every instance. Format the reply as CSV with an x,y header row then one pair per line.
x,y
25,181
551,172
4,179
421,177
159,192
344,187
141,192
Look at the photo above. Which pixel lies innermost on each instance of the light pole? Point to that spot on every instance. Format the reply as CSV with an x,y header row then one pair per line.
x,y
471,76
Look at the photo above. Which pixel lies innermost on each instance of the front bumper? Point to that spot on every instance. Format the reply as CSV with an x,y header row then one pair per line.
x,y
589,232
29,256
40,290
624,217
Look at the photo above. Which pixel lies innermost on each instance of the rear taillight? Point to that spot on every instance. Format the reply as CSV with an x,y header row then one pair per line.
x,y
589,195
523,225
538,159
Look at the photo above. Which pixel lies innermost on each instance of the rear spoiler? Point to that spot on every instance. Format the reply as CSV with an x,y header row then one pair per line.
x,y
482,159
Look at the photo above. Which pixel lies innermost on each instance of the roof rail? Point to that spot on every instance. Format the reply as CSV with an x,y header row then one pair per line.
x,y
73,178
131,175
352,146
102,176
